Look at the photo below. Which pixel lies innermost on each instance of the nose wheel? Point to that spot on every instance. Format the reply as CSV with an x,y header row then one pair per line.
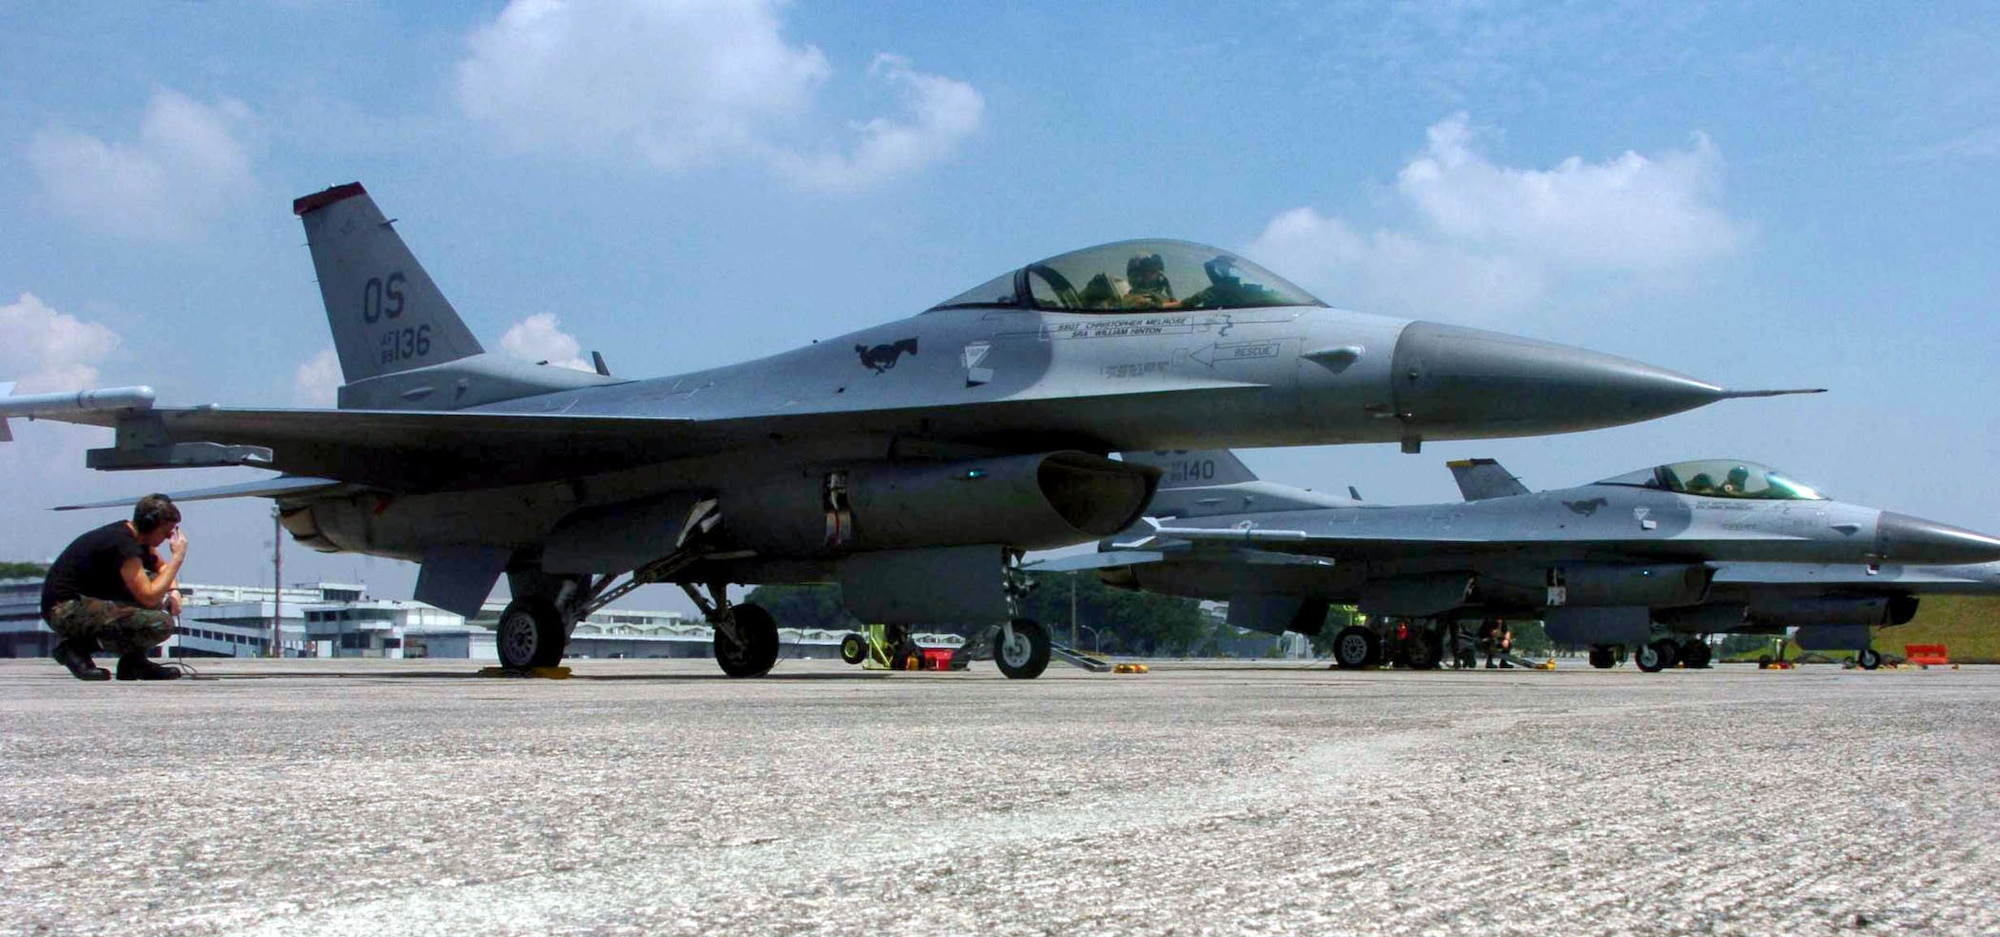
x,y
1022,649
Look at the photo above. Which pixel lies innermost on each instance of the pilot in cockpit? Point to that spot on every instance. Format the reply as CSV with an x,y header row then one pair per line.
x,y
1736,481
1147,286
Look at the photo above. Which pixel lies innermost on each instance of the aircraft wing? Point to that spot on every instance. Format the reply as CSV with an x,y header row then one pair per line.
x,y
405,450
258,488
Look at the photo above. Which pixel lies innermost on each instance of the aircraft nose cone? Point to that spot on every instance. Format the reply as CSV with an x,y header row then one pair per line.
x,y
1457,382
1907,539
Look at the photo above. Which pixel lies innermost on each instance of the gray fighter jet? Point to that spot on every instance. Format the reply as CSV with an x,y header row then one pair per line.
x,y
1637,548
911,462
1827,606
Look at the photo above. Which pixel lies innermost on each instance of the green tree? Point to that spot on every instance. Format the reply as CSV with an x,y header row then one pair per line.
x,y
1530,638
1126,622
23,570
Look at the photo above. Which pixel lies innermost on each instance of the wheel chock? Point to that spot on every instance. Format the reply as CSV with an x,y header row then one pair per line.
x,y
1131,668
542,673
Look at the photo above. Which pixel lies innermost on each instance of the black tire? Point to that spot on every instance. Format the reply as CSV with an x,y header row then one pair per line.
x,y
1654,657
1869,658
853,648
1025,657
1356,647
1602,657
759,648
1695,654
1424,651
530,633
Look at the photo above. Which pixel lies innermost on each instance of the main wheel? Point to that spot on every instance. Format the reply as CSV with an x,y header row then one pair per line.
x,y
853,648
756,646
1654,657
1356,647
1602,657
1026,654
1869,658
1424,651
1695,654
530,634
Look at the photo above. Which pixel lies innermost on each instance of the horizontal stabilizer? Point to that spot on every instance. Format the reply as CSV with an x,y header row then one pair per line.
x,y
258,488
1480,479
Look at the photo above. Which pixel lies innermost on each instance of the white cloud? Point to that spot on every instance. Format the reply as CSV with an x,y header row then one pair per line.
x,y
540,338
45,352
944,112
186,169
1627,213
317,383
1487,241
688,83
48,351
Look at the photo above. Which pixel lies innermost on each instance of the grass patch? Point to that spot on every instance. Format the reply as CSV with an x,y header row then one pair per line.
x,y
1967,625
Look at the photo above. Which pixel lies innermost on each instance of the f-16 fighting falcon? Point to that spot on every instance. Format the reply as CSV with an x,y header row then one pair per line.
x,y
1833,606
1662,547
911,462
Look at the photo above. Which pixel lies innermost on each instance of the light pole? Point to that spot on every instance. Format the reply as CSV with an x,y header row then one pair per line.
x,y
1072,608
277,648
1096,643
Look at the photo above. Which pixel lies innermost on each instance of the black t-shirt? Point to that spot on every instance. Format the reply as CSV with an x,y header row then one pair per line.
x,y
90,567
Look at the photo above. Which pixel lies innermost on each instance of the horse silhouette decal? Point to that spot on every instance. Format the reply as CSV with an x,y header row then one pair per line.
x,y
883,357
1586,508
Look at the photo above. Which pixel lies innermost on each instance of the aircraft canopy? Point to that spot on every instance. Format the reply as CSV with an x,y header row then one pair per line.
x,y
1134,276
1720,478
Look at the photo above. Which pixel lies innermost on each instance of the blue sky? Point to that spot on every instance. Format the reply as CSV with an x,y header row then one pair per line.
x,y
1760,195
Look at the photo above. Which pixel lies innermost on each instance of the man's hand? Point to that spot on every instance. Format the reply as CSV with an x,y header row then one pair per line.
x,y
179,543
173,604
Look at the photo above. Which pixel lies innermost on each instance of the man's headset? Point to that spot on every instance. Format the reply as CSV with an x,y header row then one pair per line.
x,y
152,512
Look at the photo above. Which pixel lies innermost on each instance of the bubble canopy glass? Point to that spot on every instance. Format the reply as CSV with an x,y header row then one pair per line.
x,y
1135,276
1720,478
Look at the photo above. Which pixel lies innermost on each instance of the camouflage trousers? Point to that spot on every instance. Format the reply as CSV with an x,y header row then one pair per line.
x,y
89,625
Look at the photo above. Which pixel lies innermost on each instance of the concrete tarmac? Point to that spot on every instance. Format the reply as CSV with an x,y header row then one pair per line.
x,y
657,797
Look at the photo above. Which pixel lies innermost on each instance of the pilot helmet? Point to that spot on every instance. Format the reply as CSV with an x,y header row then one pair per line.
x,y
1144,265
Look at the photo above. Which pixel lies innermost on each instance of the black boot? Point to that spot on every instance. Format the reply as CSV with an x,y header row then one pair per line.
x,y
79,663
136,666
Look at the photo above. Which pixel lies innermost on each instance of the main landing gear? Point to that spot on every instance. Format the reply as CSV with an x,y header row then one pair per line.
x,y
1657,656
535,627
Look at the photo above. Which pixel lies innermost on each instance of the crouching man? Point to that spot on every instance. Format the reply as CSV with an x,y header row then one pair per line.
x,y
109,591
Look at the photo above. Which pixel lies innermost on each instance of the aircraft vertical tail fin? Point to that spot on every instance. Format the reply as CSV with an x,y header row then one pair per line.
x,y
385,312
1480,479
1196,468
